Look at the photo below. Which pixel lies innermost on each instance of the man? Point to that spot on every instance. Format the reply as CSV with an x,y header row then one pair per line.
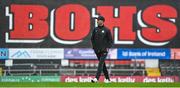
x,y
101,40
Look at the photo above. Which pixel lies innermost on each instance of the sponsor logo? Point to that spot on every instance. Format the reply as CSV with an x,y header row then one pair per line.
x,y
142,53
4,53
131,79
20,53
87,53
36,53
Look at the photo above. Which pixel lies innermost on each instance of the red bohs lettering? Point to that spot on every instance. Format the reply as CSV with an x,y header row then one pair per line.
x,y
70,23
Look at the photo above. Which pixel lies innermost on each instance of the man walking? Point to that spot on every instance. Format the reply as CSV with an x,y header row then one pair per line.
x,y
101,40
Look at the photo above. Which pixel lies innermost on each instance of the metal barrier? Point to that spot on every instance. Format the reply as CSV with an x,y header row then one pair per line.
x,y
55,72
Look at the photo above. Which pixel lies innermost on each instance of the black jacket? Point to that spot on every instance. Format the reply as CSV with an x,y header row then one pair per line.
x,y
101,38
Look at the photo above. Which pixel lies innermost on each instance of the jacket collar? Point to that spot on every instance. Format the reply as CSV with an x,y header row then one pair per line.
x,y
100,26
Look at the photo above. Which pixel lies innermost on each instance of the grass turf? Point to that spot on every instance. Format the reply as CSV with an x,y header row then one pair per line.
x,y
59,84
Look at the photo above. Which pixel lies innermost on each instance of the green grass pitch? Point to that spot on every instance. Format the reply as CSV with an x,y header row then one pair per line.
x,y
80,85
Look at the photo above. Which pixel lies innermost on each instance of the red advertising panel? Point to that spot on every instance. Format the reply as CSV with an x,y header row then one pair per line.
x,y
175,54
121,79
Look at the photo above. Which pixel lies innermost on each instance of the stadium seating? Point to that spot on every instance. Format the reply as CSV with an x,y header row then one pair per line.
x,y
153,72
72,67
0,71
88,68
170,67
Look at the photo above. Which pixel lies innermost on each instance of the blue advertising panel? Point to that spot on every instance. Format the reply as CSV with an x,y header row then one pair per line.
x,y
142,53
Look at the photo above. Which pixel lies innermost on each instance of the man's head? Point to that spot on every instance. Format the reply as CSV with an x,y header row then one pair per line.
x,y
100,20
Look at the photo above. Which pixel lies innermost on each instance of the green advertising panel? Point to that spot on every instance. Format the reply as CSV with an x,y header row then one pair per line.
x,y
30,79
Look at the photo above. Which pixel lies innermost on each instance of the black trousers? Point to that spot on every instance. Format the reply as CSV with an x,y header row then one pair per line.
x,y
102,66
